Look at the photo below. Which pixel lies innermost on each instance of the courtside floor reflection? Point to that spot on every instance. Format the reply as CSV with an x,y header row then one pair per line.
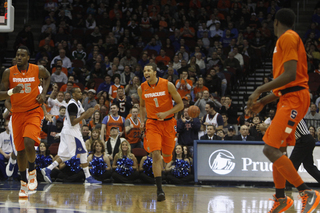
x,y
120,198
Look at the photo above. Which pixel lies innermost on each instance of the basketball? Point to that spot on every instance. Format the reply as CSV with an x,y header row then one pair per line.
x,y
194,111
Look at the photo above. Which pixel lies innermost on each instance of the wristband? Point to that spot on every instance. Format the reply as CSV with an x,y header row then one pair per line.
x,y
10,92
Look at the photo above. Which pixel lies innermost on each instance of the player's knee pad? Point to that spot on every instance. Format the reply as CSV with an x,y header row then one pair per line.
x,y
83,158
167,159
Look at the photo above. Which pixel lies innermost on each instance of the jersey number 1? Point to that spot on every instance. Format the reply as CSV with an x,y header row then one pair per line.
x,y
156,102
26,88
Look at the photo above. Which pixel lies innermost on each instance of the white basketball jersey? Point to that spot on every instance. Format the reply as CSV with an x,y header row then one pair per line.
x,y
67,127
213,121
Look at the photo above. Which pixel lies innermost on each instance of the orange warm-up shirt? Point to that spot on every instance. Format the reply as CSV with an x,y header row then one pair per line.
x,y
290,47
157,98
134,134
29,80
183,90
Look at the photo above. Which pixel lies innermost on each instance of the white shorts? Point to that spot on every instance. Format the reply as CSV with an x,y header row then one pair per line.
x,y
11,136
70,146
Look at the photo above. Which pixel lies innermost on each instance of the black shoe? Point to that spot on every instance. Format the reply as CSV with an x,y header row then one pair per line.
x,y
161,196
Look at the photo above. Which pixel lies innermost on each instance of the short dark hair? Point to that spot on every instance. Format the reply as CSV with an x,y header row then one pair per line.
x,y
153,65
62,107
286,17
24,48
211,104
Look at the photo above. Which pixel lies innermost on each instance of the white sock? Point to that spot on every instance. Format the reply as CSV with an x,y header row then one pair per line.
x,y
12,161
53,165
86,172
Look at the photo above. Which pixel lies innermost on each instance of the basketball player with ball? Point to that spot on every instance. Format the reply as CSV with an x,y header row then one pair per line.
x,y
156,96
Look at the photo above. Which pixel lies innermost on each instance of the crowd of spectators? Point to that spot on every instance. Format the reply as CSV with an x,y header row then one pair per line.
x,y
203,47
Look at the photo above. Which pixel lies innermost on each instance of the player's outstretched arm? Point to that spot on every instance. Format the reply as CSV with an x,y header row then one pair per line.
x,y
257,106
45,75
4,94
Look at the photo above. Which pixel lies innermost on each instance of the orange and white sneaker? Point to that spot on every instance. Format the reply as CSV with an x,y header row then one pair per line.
x,y
310,200
32,180
23,193
281,204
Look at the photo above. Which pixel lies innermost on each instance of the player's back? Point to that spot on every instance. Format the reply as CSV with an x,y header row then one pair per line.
x,y
67,127
29,80
157,98
290,47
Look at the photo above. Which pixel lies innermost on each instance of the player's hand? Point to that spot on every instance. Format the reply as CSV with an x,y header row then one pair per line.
x,y
96,107
41,98
255,108
142,126
161,116
7,156
183,119
252,99
17,89
48,117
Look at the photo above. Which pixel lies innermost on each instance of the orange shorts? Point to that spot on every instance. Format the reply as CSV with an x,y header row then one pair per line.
x,y
160,135
292,107
26,124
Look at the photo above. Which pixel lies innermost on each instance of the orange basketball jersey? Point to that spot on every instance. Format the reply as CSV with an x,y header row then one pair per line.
x,y
157,98
134,134
29,80
114,90
290,47
119,123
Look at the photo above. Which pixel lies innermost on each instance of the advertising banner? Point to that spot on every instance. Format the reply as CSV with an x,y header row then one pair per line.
x,y
238,161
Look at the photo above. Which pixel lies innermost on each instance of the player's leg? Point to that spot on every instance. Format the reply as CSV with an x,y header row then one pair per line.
x,y
153,145
11,166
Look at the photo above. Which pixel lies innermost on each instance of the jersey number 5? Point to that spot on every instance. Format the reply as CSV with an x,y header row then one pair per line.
x,y
26,88
156,102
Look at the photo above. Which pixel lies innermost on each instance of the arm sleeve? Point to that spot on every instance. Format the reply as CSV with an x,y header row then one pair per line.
x,y
196,124
73,109
220,120
289,46
127,123
50,102
105,120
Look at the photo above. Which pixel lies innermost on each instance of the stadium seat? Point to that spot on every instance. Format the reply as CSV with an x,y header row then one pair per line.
x,y
139,153
152,52
170,53
77,63
53,149
136,52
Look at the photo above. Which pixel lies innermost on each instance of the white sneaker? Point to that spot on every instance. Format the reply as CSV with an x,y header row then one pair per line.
x,y
23,193
32,180
10,168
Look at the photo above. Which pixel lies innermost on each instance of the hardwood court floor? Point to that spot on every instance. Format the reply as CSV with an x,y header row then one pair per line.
x,y
120,198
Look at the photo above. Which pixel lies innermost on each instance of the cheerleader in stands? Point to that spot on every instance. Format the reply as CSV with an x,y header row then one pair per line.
x,y
43,159
69,171
179,169
125,164
95,136
99,163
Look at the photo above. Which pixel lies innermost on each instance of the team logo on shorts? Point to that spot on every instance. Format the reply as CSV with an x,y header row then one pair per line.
x,y
220,162
79,149
175,128
293,114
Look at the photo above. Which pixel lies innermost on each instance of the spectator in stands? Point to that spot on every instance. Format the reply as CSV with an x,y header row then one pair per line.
x,y
152,45
170,76
214,60
56,100
244,134
216,34
114,71
200,62
232,63
114,87
316,16
184,85
230,134
212,117
195,67
210,134
85,132
58,76
213,83
226,125
187,128
245,118
90,22
51,6
221,133
66,62
230,109
128,60
65,86
112,120
254,21
202,100
127,76
5,150
95,122
186,31
105,86
48,24
25,37
259,43
132,129
254,130
312,131
95,36
145,23
312,114
185,55
226,39
313,28
199,86
90,101
78,22
132,87
143,61
95,135
162,58
97,71
123,102
238,56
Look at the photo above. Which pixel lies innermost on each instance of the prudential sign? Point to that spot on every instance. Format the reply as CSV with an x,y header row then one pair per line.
x,y
221,162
